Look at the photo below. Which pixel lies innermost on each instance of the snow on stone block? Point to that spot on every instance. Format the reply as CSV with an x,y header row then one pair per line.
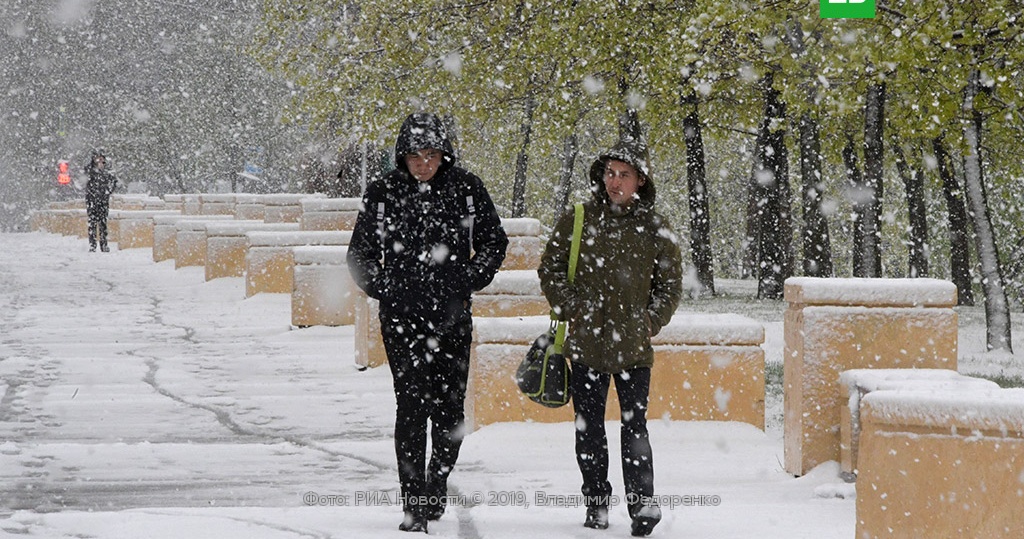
x,y
511,293
270,261
323,292
978,410
870,292
521,226
857,383
227,244
690,380
284,207
329,213
941,464
710,329
823,341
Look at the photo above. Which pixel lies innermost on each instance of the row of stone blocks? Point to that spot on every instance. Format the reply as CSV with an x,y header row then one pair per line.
x,y
710,368
871,382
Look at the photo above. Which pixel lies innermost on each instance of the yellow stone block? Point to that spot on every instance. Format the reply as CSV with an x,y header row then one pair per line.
x,y
329,213
833,325
270,263
323,291
939,465
227,244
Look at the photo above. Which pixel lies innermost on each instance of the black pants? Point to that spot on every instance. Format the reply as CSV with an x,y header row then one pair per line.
x,y
430,369
97,210
589,399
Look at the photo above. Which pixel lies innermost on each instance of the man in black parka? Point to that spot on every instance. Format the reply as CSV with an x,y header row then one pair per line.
x,y
427,237
98,188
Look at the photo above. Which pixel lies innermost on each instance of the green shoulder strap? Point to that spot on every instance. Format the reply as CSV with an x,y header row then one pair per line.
x,y
574,255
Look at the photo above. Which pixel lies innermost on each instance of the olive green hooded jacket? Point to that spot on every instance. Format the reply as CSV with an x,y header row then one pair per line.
x,y
628,277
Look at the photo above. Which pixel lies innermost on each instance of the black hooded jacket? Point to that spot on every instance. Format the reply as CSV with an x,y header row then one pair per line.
x,y
100,185
422,248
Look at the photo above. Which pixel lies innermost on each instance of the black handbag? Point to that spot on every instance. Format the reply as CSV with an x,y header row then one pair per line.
x,y
543,375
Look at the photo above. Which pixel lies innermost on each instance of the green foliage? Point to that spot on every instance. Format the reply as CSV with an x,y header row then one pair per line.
x,y
359,67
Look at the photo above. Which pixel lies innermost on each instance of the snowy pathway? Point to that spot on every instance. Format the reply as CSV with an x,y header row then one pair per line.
x,y
138,400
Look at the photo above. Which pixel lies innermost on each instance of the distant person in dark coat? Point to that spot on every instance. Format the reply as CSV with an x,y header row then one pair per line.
x,y
427,237
98,189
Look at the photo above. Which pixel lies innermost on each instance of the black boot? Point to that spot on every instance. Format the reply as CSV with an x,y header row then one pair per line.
x,y
413,523
645,517
597,518
437,499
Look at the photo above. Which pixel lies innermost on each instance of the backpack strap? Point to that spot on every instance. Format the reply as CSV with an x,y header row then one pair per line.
x,y
380,219
472,217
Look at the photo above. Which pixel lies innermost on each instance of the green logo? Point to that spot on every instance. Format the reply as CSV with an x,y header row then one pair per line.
x,y
847,9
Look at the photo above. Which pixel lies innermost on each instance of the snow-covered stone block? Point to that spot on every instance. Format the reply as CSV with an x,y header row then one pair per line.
x,y
511,293
706,367
855,384
217,204
249,207
329,213
323,291
165,233
941,464
833,325
369,344
284,207
135,227
270,262
190,240
226,245
525,244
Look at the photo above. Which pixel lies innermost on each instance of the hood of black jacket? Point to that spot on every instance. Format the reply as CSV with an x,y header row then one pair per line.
x,y
420,131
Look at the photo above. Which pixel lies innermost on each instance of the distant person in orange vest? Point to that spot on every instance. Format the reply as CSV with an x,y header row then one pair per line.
x,y
98,189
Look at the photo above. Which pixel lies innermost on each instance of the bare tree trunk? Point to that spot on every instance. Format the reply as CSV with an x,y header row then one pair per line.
x,y
997,308
700,212
913,186
874,120
816,243
771,172
522,162
959,241
570,150
817,246
858,195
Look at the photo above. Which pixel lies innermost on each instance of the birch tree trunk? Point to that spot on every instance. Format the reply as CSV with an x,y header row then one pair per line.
x,y
570,150
997,308
700,212
913,187
959,240
858,194
522,161
874,120
816,243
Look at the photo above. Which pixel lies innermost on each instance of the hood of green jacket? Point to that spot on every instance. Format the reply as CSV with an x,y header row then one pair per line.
x,y
629,151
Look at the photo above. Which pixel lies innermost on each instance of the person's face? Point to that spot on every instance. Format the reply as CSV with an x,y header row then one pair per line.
x,y
621,182
424,164
99,161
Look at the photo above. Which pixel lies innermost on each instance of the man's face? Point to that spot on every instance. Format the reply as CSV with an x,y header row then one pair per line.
x,y
99,161
424,163
621,182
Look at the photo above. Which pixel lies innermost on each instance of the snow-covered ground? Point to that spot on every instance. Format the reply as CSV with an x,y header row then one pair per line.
x,y
137,400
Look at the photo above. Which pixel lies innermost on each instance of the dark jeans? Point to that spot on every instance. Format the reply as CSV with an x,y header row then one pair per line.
x,y
430,369
97,211
589,399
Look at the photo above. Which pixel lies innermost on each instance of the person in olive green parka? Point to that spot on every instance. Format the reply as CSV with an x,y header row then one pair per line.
x,y
628,283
